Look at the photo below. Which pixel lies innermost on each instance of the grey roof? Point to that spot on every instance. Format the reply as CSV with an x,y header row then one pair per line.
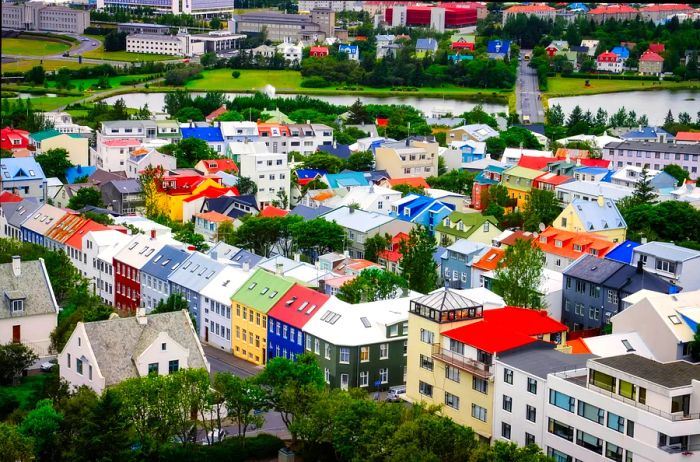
x,y
652,146
266,17
222,250
100,176
309,213
116,342
167,260
130,123
159,37
21,212
445,299
667,251
128,186
669,375
597,218
593,269
196,272
33,286
629,280
466,247
357,220
244,256
541,358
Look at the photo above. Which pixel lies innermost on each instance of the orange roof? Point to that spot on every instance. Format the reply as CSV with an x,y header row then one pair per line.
x,y
688,136
562,153
567,240
490,260
76,240
578,347
415,182
217,112
271,211
358,264
528,8
214,216
65,227
322,196
212,192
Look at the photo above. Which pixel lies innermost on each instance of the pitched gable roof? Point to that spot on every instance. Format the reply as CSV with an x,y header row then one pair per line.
x,y
298,306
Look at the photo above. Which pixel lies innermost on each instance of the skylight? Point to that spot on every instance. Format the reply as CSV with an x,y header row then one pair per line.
x,y
194,268
158,257
264,291
365,322
303,305
165,262
273,294
674,319
176,265
252,286
133,244
290,301
187,265
627,345
150,252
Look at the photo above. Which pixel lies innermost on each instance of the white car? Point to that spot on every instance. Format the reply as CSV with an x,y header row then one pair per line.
x,y
47,366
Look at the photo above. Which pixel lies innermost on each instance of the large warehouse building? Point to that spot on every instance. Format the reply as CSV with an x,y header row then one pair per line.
x,y
435,17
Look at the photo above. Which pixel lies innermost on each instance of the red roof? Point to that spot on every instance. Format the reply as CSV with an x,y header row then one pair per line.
x,y
578,346
180,184
295,307
536,162
612,9
608,56
506,328
212,192
122,142
490,260
688,136
216,113
551,178
271,211
393,255
7,196
668,7
528,8
318,51
76,240
519,234
463,45
382,122
603,163
415,182
219,165
11,138
650,56
657,47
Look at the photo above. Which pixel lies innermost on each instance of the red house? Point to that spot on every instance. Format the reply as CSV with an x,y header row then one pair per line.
x,y
389,258
657,47
463,46
318,51
11,138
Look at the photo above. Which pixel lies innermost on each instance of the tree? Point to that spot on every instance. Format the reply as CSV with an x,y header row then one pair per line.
x,y
695,347
54,163
246,186
258,234
360,161
35,75
503,451
374,245
644,192
519,275
542,206
190,387
14,359
417,264
84,197
678,172
189,114
669,118
371,285
15,446
406,189
187,235
242,398
358,113
282,201
555,116
174,302
225,233
458,181
324,161
318,236
43,425
191,150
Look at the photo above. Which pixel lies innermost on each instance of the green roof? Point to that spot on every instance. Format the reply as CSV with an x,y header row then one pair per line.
x,y
262,290
277,116
471,221
520,172
44,135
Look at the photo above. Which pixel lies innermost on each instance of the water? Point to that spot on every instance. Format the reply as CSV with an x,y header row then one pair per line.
x,y
156,102
655,104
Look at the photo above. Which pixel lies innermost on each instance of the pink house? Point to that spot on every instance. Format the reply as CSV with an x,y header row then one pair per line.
x,y
318,51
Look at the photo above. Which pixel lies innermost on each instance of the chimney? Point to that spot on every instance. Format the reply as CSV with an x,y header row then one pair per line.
x,y
246,266
640,267
335,144
214,255
351,209
644,240
601,201
16,265
153,234
308,122
141,316
297,256
279,269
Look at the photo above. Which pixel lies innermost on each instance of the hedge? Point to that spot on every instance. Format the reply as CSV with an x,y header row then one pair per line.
x,y
232,449
650,78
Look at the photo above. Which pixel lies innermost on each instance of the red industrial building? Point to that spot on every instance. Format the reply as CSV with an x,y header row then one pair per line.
x,y
425,16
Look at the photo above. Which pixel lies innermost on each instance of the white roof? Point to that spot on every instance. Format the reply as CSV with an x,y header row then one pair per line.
x,y
53,182
517,153
249,148
225,283
107,237
119,243
441,193
596,188
621,174
357,220
143,224
552,281
229,128
349,327
479,146
481,295
140,250
618,344
598,141
364,196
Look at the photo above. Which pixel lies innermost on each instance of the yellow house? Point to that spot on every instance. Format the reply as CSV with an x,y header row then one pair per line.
x,y
518,181
76,146
404,159
172,191
452,342
473,227
250,305
600,216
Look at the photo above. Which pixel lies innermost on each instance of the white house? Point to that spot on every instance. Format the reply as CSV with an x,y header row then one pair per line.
x,y
99,248
112,154
141,158
270,173
217,305
101,354
292,53
28,311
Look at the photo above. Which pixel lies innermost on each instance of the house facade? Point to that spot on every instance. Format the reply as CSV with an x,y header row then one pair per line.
x,y
678,265
469,226
407,159
601,217
23,177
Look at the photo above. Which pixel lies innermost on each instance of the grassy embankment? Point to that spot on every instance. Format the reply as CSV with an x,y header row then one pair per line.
x,y
560,86
31,47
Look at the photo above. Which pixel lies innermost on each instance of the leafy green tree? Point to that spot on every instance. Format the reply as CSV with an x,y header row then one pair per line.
x,y
174,302
678,172
187,235
360,161
371,285
458,181
15,446
406,189
358,113
14,358
85,197
417,265
542,206
374,245
54,163
503,451
187,114
36,75
258,234
43,425
208,59
242,397
246,186
318,236
225,233
519,275
190,387
695,347
191,150
644,192
323,161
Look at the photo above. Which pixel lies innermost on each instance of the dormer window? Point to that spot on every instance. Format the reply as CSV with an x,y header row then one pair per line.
x,y
557,243
17,306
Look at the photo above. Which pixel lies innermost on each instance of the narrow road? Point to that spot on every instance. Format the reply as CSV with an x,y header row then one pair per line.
x,y
221,361
528,96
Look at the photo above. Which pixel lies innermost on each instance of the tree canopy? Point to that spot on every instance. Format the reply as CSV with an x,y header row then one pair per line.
x,y
370,285
519,275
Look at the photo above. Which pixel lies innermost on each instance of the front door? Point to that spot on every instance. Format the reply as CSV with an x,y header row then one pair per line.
x,y
344,379
16,334
206,333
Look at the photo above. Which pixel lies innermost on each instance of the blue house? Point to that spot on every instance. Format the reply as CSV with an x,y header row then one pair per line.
x,y
353,51
342,151
455,58
623,252
212,135
287,318
471,150
74,173
498,49
648,134
421,210
593,174
24,177
622,52
154,275
457,260
307,175
425,46
345,179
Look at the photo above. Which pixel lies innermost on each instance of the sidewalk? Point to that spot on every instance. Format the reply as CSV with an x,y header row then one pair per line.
x,y
221,360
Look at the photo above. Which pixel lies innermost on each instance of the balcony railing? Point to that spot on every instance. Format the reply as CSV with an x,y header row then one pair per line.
x,y
459,361
688,450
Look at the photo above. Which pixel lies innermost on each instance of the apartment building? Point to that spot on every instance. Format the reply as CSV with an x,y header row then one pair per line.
x,y
656,155
193,7
127,266
155,286
281,27
408,159
216,327
39,16
624,407
99,248
271,174
678,265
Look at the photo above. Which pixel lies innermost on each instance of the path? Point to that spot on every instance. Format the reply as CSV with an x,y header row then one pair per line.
x,y
529,98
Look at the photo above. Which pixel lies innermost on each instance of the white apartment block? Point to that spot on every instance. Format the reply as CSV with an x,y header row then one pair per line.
x,y
63,122
112,154
624,408
306,138
176,45
38,16
193,7
100,248
270,172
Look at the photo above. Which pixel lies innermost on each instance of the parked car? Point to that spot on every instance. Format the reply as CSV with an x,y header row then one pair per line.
x,y
47,366
214,437
393,395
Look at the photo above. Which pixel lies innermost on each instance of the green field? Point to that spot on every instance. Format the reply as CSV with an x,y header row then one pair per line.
x,y
100,53
560,86
30,385
28,47
47,103
47,64
115,82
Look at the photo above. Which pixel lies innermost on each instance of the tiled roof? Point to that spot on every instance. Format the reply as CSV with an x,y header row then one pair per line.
x,y
562,243
214,216
672,374
124,142
216,113
651,57
298,306
612,9
528,8
32,285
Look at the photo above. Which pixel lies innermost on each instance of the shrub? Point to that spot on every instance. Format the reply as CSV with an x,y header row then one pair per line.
x,y
315,82
235,74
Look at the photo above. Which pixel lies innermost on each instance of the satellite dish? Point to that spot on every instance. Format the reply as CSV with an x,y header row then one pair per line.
x,y
542,227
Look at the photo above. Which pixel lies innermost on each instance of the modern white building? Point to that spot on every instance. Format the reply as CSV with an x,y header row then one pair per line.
x,y
112,155
99,248
678,265
176,45
63,122
39,16
292,52
270,172
194,7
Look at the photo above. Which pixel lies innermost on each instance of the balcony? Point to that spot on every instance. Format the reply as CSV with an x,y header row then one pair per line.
x,y
461,362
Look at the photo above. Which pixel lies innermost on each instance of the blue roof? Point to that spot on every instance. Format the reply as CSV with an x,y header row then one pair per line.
x,y
597,218
227,179
437,255
621,51
460,57
20,169
165,262
418,205
243,256
340,150
577,6
73,173
429,44
623,252
348,48
309,213
345,179
498,46
208,134
377,175
309,174
591,170
646,133
196,272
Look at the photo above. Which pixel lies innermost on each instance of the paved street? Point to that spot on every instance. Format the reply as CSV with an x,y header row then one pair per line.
x,y
528,95
221,361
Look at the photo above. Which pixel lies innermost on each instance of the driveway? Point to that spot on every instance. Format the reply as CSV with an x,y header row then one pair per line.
x,y
528,96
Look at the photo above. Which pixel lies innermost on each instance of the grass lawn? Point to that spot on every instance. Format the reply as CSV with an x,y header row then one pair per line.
x,y
28,47
47,64
100,53
46,103
115,82
30,385
560,86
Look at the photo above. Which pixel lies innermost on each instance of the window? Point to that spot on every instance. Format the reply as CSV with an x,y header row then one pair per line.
x,y
665,266
558,456
427,336
613,452
79,366
561,400
426,362
89,372
531,413
560,429
532,385
153,368
364,354
344,355
591,412
601,380
508,376
327,351
505,430
68,359
452,373
478,412
642,395
616,422
630,429
17,305
425,389
384,375
308,342
612,297
173,366
317,346
384,351
364,378
394,330
480,385
327,375
529,438
627,390
507,403
590,442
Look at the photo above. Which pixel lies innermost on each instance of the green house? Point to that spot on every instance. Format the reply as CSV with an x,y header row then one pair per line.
x,y
470,226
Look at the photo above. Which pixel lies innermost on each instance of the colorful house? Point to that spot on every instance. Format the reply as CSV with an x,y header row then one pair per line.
x,y
214,166
207,223
609,62
488,177
421,210
212,136
601,217
23,177
318,52
353,51
498,49
460,45
12,138
519,182
287,318
172,191
561,248
389,258
251,305
76,145
425,47
474,227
